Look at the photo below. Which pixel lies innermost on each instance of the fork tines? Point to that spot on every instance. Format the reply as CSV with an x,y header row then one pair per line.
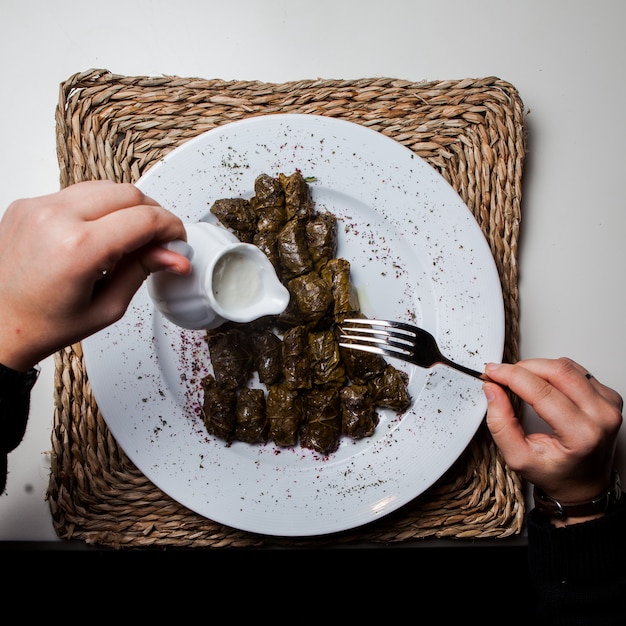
x,y
363,334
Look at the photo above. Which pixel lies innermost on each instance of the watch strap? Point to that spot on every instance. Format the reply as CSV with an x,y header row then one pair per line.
x,y
551,507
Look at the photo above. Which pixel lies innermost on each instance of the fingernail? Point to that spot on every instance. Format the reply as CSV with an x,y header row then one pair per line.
x,y
492,366
488,389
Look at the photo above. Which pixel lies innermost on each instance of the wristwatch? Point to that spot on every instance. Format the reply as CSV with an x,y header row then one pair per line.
x,y
17,382
552,508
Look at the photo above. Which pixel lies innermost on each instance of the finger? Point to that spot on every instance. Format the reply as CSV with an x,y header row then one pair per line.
x,y
574,381
112,295
527,453
97,198
128,230
157,258
505,427
567,412
143,224
535,388
122,282
609,394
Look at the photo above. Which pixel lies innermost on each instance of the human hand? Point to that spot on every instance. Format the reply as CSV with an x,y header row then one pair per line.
x,y
574,461
71,261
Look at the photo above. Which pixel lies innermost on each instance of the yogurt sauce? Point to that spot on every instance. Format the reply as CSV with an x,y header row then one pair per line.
x,y
237,281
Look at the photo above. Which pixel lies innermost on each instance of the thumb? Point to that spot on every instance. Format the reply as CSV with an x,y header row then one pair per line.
x,y
505,427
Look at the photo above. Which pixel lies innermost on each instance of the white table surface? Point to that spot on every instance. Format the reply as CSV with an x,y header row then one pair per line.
x,y
565,57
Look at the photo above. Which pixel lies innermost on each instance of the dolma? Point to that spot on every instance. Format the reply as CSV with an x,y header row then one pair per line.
x,y
268,356
238,215
321,236
218,409
284,412
359,417
293,251
291,316
269,203
298,201
296,358
336,272
390,388
307,373
322,424
326,365
361,366
250,416
312,296
231,356
267,241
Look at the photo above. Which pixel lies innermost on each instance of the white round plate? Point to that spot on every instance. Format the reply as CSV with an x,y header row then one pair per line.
x,y
417,255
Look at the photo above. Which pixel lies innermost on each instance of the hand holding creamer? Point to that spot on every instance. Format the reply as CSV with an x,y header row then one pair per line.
x,y
229,280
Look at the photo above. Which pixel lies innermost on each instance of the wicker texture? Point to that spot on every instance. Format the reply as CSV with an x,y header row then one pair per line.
x,y
115,127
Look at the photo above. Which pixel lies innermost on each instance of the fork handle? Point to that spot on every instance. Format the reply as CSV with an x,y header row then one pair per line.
x,y
467,370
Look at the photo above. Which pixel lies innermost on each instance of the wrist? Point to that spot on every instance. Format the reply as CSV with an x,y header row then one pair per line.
x,y
16,363
563,513
19,347
16,348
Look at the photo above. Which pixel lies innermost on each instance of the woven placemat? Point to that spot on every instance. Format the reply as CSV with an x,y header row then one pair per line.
x,y
115,127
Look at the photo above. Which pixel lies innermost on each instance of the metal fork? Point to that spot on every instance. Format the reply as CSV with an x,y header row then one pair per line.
x,y
399,340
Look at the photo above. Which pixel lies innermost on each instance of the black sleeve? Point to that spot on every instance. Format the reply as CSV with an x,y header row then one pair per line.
x,y
15,388
579,572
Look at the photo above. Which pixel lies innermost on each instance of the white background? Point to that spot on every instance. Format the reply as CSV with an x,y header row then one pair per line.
x,y
565,57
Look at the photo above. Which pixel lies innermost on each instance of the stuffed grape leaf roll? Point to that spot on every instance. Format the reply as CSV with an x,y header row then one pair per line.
x,y
326,365
360,366
336,272
231,356
267,242
359,417
390,388
296,358
250,416
321,236
291,316
322,423
298,201
238,215
285,413
312,296
218,409
268,356
268,203
293,252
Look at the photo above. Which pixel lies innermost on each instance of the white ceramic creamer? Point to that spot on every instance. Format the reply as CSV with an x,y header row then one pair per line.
x,y
229,280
